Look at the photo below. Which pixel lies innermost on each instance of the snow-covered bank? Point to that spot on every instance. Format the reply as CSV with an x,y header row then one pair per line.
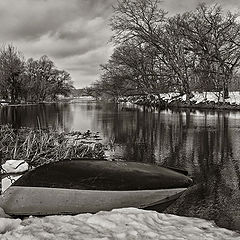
x,y
126,223
204,97
209,100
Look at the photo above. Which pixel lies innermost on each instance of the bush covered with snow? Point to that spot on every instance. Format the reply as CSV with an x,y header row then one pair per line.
x,y
198,99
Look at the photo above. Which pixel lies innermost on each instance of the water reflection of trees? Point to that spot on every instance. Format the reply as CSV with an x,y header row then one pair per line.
x,y
135,131
216,170
35,116
180,139
205,143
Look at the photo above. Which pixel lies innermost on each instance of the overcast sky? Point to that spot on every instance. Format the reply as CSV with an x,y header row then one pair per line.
x,y
73,33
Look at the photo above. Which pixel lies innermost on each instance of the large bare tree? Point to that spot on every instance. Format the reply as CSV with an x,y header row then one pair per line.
x,y
148,23
214,37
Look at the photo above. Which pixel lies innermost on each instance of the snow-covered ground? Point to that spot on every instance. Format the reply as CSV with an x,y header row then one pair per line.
x,y
197,97
128,223
234,97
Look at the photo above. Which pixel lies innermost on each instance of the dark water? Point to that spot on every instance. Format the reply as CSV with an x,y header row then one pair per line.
x,y
205,143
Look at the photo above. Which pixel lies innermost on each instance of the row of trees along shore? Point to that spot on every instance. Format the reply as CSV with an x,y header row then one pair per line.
x,y
31,80
156,52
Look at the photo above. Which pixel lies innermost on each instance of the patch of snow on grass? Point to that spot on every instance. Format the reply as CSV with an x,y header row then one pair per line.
x,y
197,97
234,97
128,223
15,166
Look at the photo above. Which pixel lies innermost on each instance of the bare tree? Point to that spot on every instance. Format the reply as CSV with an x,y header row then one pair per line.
x,y
142,19
178,58
142,60
11,69
214,37
45,81
198,50
146,22
115,80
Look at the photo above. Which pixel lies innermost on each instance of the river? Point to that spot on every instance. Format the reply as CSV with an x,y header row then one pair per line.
x,y
206,143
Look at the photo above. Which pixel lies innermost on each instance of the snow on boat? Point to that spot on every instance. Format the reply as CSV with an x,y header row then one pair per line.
x,y
89,186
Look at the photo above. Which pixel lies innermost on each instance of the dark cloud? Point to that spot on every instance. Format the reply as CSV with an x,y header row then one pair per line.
x,y
31,19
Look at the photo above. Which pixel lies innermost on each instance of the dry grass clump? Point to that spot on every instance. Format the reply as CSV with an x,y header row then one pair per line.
x,y
38,147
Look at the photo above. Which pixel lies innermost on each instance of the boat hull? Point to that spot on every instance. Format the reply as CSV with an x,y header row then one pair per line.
x,y
103,175
25,201
89,186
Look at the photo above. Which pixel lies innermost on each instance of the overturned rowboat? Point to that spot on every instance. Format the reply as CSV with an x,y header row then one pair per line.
x,y
89,186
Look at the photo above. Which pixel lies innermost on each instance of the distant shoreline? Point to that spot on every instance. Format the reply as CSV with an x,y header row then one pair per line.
x,y
63,100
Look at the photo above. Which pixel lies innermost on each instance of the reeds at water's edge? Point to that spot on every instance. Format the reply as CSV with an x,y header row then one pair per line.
x,y
37,146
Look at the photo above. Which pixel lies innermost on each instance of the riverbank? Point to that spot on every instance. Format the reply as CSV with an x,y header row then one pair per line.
x,y
62,100
8,103
206,100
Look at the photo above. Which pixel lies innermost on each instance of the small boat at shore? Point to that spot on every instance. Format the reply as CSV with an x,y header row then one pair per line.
x,y
89,186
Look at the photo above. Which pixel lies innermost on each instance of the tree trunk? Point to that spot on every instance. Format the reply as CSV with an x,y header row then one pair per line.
x,y
225,91
225,87
188,95
13,96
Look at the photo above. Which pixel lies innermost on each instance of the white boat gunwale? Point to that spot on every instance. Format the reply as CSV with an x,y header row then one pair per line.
x,y
19,200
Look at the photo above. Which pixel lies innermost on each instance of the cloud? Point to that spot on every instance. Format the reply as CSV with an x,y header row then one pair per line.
x,y
29,19
72,33
85,68
23,19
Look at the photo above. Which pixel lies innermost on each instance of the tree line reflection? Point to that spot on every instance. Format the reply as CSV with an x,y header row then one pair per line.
x,y
44,116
